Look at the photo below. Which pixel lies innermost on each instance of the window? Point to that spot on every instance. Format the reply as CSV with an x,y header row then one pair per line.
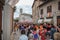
x,y
58,5
49,10
41,13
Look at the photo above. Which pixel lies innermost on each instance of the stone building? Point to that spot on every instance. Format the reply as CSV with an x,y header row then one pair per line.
x,y
24,17
35,10
7,18
49,9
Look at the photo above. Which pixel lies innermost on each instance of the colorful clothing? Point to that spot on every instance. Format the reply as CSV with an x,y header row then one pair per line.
x,y
23,37
42,34
35,35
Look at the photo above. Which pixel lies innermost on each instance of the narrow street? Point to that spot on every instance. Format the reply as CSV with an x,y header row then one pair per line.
x,y
29,19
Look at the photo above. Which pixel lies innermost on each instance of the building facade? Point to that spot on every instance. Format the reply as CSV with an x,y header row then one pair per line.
x,y
49,9
7,18
24,17
35,10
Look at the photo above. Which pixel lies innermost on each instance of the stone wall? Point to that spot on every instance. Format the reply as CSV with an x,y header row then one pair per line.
x,y
7,19
35,11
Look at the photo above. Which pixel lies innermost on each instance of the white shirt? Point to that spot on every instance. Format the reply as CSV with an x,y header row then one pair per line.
x,y
31,35
23,37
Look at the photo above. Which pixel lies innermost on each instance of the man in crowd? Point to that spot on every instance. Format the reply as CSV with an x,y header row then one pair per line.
x,y
23,36
57,34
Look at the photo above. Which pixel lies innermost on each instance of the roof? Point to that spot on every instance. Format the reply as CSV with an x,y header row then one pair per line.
x,y
45,3
33,3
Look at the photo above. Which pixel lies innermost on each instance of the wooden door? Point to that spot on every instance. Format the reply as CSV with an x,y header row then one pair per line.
x,y
58,20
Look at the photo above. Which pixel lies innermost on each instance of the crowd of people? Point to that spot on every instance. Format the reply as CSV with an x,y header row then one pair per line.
x,y
44,31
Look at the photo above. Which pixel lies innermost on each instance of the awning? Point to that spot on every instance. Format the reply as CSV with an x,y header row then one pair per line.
x,y
40,20
47,20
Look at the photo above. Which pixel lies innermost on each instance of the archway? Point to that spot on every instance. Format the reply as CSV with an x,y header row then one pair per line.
x,y
7,18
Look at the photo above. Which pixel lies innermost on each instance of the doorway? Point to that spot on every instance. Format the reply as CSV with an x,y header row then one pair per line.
x,y
58,20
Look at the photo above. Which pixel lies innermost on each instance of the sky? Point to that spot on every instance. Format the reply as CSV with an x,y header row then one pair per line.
x,y
26,5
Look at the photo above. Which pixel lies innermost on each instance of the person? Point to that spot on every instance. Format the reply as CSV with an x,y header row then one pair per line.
x,y
31,37
53,30
48,27
45,25
57,34
48,36
23,36
42,32
37,29
31,27
28,32
22,27
35,34
36,26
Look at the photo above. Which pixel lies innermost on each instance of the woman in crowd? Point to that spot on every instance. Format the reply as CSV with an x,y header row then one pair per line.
x,y
41,32
35,34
